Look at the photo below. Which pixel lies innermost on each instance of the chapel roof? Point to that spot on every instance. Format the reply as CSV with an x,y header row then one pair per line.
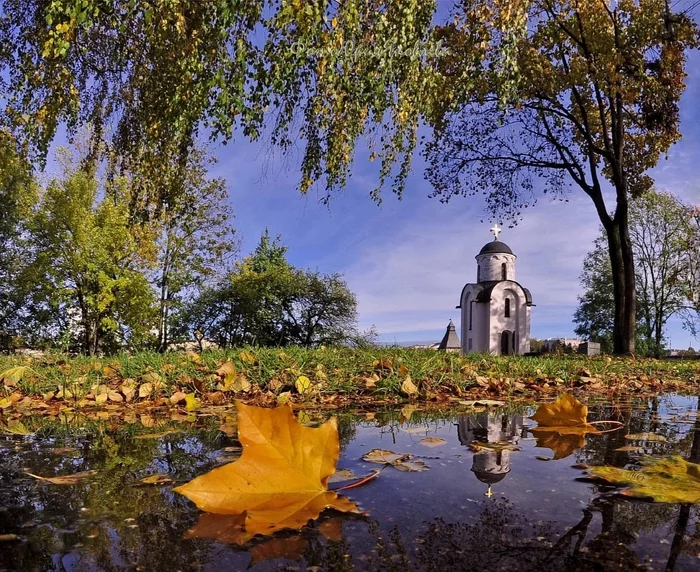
x,y
495,247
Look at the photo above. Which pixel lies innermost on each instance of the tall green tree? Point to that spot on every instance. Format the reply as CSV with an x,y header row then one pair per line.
x,y
90,264
196,240
662,236
18,193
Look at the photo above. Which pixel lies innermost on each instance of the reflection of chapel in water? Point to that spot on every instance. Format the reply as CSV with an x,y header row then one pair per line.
x,y
491,467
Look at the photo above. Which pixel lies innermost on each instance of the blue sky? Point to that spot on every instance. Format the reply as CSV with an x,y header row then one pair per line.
x,y
407,260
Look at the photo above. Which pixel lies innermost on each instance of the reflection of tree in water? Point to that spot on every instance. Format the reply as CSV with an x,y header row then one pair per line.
x,y
503,539
106,522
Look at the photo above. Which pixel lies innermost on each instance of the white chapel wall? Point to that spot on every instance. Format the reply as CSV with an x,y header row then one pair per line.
x,y
490,266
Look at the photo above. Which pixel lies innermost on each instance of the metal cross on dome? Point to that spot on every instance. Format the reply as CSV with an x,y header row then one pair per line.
x,y
495,229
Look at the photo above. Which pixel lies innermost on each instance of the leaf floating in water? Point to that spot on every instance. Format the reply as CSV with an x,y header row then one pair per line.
x,y
342,475
664,480
280,481
432,441
566,411
562,426
646,437
629,449
402,462
157,480
73,479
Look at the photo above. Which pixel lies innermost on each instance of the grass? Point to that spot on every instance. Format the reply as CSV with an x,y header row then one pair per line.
x,y
350,375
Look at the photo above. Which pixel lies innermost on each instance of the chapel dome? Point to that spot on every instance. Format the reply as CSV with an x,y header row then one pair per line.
x,y
495,247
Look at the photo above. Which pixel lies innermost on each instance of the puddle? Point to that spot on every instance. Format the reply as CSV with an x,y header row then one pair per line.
x,y
502,509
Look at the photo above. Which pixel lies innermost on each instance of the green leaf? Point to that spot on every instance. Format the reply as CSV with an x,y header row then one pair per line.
x,y
664,480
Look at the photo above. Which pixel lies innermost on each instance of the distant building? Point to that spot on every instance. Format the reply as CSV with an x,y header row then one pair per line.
x,y
450,341
495,309
554,344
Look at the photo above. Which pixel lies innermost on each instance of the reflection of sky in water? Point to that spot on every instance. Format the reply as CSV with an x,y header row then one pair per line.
x,y
535,502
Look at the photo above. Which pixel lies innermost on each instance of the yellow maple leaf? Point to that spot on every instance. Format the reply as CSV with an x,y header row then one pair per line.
x,y
280,480
562,426
566,411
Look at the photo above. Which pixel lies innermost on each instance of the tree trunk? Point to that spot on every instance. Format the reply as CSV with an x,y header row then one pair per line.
x,y
624,287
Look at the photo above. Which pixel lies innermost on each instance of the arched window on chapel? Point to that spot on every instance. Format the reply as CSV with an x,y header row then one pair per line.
x,y
503,271
507,307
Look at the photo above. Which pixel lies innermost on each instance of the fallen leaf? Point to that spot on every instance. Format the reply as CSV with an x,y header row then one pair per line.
x,y
432,441
145,390
402,462
566,411
370,383
178,397
408,387
73,479
646,437
156,480
664,480
241,384
191,402
115,397
342,475
280,481
153,378
247,357
14,375
303,385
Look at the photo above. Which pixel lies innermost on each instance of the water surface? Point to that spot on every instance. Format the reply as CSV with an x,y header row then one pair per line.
x,y
513,510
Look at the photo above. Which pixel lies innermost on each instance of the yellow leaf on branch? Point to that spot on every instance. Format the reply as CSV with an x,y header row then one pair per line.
x,y
280,480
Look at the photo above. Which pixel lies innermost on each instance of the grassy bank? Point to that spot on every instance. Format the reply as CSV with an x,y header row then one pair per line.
x,y
324,377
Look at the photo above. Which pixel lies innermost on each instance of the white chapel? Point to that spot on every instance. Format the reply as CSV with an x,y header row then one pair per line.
x,y
495,309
